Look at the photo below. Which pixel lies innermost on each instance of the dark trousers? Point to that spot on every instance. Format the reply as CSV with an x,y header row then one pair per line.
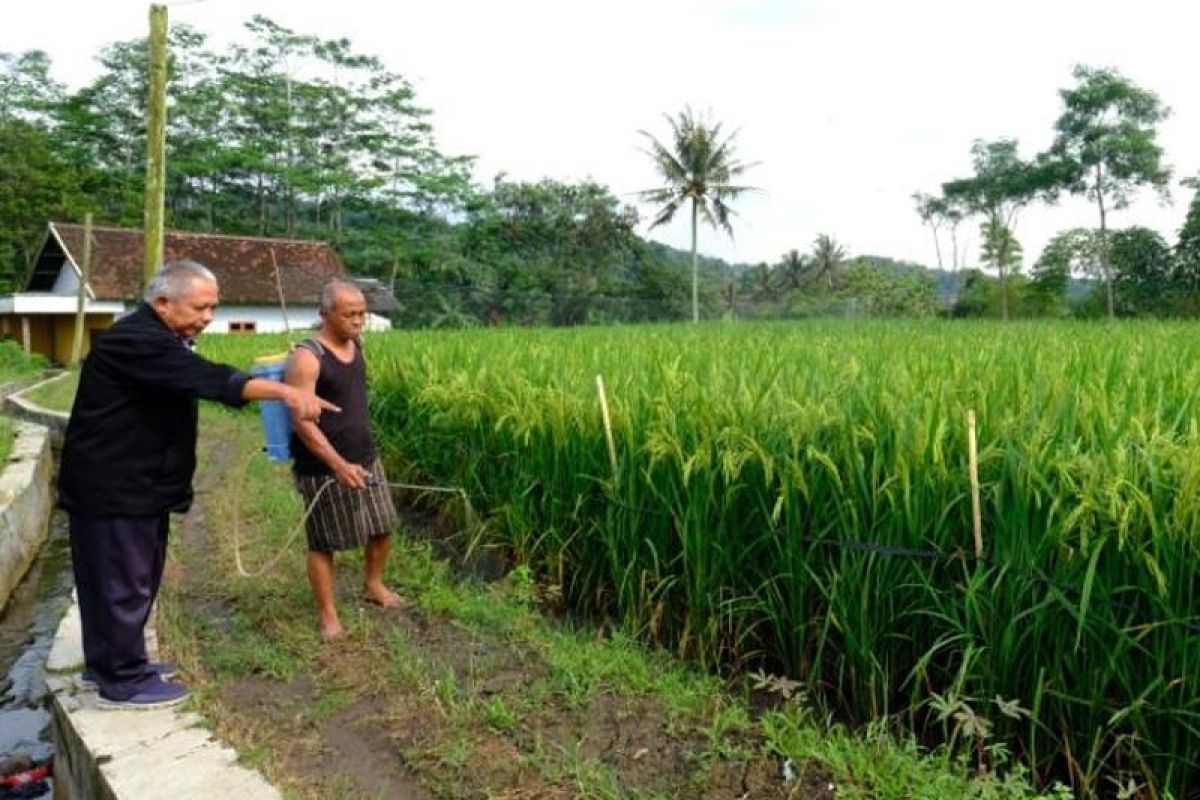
x,y
118,565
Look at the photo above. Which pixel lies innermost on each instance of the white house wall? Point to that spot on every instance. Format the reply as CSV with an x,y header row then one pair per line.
x,y
67,281
266,319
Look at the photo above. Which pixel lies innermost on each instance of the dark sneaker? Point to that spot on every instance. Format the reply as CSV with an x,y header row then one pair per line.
x,y
165,670
153,696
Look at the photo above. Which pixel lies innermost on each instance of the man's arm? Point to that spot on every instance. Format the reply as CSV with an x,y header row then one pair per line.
x,y
302,371
304,404
157,360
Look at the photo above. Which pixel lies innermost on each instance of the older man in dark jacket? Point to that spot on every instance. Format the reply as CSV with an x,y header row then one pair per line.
x,y
127,463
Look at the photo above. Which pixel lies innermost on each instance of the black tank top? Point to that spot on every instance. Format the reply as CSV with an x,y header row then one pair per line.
x,y
344,385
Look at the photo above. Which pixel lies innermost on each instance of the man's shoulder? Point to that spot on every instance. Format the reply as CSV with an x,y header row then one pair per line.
x,y
312,346
142,320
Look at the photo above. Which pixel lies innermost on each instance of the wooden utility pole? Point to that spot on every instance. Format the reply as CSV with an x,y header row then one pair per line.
x,y
85,270
156,142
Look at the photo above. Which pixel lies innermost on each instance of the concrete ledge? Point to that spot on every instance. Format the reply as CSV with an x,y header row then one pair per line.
x,y
134,755
17,405
25,503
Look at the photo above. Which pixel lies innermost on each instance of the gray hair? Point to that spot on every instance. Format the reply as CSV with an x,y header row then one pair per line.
x,y
175,279
329,293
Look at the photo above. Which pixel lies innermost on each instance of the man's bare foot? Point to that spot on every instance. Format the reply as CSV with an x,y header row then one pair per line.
x,y
381,596
332,630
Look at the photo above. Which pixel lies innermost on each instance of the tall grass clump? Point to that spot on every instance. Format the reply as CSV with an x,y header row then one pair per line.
x,y
795,497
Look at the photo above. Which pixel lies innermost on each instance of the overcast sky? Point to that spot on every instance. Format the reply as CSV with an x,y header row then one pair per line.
x,y
848,106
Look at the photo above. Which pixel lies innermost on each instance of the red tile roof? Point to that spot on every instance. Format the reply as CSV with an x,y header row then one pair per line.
x,y
242,264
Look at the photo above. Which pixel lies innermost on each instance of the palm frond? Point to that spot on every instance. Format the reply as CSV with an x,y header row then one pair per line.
x,y
696,162
666,213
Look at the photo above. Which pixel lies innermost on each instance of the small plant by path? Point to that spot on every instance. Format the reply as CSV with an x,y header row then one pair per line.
x,y
469,691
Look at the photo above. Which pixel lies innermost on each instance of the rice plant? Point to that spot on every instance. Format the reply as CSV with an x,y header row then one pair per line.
x,y
796,497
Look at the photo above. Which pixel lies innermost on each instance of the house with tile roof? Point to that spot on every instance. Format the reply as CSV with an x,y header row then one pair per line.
x,y
42,316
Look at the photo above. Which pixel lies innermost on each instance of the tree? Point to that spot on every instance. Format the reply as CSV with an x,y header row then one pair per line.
x,y
791,269
878,287
1001,249
1003,183
932,211
1186,274
553,252
938,212
757,280
827,258
1141,267
1106,146
698,165
1069,252
36,185
26,89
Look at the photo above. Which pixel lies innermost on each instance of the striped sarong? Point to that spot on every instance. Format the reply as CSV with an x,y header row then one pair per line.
x,y
342,518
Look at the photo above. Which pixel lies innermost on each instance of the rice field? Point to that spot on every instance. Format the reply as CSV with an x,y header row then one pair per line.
x,y
796,498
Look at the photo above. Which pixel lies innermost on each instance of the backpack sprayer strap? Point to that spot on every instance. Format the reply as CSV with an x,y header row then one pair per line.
x,y
313,346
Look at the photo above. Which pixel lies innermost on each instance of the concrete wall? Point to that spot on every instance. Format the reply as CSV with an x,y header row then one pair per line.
x,y
25,503
266,319
55,422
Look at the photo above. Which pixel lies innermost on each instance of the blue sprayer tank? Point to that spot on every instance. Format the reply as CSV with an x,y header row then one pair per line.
x,y
276,419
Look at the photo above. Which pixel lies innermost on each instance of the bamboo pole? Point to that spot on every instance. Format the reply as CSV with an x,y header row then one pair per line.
x,y
156,142
282,303
85,270
608,433
973,466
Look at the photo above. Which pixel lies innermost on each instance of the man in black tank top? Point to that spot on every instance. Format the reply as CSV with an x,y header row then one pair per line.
x,y
336,465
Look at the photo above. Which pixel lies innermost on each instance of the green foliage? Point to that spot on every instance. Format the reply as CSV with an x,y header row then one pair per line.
x,y
1106,146
938,212
1107,138
879,765
1000,247
26,89
1003,183
36,184
792,271
1142,266
826,259
879,288
1071,251
15,363
1186,276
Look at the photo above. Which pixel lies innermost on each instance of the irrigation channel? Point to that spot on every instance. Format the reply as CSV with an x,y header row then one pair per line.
x,y
27,627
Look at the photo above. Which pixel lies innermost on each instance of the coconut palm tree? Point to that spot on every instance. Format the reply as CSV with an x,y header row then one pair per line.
x,y
827,257
697,164
792,267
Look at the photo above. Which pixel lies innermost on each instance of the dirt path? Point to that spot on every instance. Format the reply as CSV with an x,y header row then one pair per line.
x,y
445,698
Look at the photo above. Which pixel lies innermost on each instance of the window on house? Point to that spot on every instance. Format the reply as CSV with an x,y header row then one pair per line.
x,y
242,327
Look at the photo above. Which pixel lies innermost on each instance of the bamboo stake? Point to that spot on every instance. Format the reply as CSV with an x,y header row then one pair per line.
x,y
973,465
282,303
85,270
608,434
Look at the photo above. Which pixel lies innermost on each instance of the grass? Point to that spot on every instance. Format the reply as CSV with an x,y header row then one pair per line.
x,y
57,394
472,689
17,365
7,435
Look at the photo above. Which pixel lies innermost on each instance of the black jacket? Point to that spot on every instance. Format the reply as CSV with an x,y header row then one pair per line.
x,y
130,446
